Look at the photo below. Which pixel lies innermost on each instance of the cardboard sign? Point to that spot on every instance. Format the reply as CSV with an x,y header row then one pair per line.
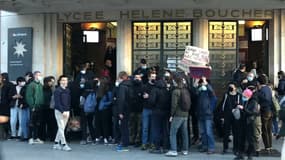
x,y
197,56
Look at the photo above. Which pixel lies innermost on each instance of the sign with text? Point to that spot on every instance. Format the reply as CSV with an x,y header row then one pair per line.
x,y
197,56
20,47
158,14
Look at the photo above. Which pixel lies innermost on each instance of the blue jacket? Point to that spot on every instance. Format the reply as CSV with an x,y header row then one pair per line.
x,y
106,101
205,103
62,99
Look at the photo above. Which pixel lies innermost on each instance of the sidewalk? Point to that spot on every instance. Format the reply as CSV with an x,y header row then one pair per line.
x,y
12,150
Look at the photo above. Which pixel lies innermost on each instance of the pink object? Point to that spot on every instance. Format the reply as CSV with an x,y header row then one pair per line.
x,y
247,93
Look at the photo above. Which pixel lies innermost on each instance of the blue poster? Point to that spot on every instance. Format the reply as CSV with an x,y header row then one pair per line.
x,y
20,51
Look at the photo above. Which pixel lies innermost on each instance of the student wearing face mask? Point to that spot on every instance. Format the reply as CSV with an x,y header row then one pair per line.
x,y
143,71
205,115
230,100
249,81
16,104
136,111
147,111
35,99
249,110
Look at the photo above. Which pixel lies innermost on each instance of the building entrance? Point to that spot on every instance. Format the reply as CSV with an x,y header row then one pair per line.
x,y
234,42
91,43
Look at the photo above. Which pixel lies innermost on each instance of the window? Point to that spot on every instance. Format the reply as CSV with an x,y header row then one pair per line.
x,y
91,36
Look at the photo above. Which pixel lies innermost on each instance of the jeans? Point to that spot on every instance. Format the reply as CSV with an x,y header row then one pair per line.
x,y
176,124
61,124
275,127
160,129
206,131
146,119
24,122
15,116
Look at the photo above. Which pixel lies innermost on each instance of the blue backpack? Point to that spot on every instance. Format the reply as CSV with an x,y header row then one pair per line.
x,y
90,103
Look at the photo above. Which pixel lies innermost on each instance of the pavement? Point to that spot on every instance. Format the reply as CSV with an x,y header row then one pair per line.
x,y
13,150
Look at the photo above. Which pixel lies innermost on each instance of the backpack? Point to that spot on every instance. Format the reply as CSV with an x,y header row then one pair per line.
x,y
90,103
185,100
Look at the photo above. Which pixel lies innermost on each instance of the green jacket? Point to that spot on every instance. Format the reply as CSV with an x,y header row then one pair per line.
x,y
35,94
176,110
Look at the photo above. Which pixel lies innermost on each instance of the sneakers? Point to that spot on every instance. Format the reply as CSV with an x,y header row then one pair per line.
x,y
66,148
184,153
57,147
38,141
105,141
31,141
120,148
171,154
144,147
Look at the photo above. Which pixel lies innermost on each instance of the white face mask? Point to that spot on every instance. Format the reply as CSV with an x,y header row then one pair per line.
x,y
22,84
40,78
83,71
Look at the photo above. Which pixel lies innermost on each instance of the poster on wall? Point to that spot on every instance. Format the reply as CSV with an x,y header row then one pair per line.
x,y
20,47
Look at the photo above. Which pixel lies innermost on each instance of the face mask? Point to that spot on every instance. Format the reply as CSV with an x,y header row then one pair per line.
x,y
22,84
40,78
231,89
83,71
137,82
82,85
152,81
244,99
250,78
203,88
167,75
143,67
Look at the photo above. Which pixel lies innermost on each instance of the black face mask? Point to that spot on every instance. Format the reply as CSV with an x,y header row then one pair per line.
x,y
137,82
152,81
231,89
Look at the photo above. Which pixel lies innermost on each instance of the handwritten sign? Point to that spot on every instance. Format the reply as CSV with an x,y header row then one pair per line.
x,y
196,55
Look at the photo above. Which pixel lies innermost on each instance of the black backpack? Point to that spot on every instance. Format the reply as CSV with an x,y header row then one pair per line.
x,y
185,100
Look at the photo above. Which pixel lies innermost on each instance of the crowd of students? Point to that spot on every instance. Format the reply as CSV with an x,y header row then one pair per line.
x,y
151,109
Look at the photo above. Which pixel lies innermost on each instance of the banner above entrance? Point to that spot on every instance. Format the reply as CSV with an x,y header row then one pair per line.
x,y
158,14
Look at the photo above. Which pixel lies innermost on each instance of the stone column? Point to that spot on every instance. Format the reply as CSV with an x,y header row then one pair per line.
x,y
124,46
200,33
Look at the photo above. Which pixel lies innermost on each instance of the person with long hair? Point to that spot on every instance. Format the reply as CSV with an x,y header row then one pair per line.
x,y
4,107
103,112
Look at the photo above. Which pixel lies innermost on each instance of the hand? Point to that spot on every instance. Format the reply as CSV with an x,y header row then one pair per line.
x,y
121,116
170,119
145,95
15,96
65,114
245,81
240,106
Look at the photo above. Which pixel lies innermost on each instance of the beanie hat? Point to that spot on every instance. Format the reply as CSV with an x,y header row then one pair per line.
x,y
247,93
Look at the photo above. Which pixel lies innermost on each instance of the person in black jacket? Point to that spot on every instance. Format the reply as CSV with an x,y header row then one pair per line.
x,y
230,100
281,84
136,111
123,109
17,102
160,98
48,126
240,75
249,110
62,109
5,87
143,71
147,111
